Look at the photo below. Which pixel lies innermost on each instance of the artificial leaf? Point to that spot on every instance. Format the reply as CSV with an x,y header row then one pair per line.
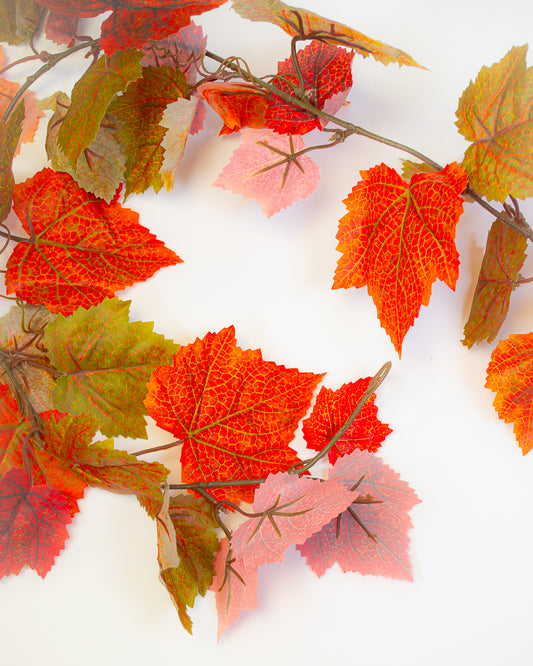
x,y
104,363
101,166
91,97
371,537
505,254
510,376
177,119
326,72
238,104
331,411
193,525
61,29
268,167
398,238
133,23
80,249
141,109
19,20
32,113
33,522
495,113
290,508
10,132
69,456
235,412
234,585
21,331
13,430
307,25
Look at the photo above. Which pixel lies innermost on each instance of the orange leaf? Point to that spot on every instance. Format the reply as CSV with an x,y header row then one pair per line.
x,y
505,254
398,238
495,113
510,376
80,249
238,104
235,412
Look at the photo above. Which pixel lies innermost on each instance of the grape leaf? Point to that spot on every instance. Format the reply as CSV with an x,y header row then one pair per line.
x,y
235,412
398,238
133,23
504,256
33,523
238,104
19,20
495,113
234,585
307,25
187,526
101,166
326,72
292,508
61,29
91,97
13,429
141,109
21,332
80,249
268,167
10,132
370,538
32,113
105,362
331,411
510,376
177,119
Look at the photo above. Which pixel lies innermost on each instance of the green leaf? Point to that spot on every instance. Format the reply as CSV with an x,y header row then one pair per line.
x,y
505,254
10,132
141,109
19,19
100,168
91,96
106,361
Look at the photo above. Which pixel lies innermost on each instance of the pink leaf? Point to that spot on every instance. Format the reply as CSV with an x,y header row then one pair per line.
x,y
266,167
235,587
293,508
347,543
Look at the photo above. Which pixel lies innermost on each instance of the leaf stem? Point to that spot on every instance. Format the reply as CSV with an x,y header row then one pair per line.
x,y
178,442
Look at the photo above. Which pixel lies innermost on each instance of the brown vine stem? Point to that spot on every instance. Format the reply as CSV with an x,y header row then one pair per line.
x,y
350,128
48,65
23,402
375,382
154,449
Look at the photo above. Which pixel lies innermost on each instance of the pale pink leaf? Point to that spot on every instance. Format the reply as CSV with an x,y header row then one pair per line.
x,y
346,542
235,587
266,167
293,508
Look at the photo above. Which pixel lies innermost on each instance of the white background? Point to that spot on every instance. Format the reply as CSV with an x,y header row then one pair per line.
x,y
472,542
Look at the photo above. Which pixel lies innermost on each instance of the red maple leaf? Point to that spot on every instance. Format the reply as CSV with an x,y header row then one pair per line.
x,y
80,249
33,523
331,411
371,536
134,22
238,104
326,71
398,238
235,412
510,376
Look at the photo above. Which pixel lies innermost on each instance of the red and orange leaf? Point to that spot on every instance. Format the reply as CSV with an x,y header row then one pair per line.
x,y
235,412
398,238
61,29
299,22
238,104
495,113
32,113
33,522
326,72
293,508
135,22
80,249
376,541
510,376
234,585
10,132
505,254
268,167
13,429
331,411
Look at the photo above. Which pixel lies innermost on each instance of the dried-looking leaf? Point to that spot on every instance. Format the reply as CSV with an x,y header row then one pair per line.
x,y
10,132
